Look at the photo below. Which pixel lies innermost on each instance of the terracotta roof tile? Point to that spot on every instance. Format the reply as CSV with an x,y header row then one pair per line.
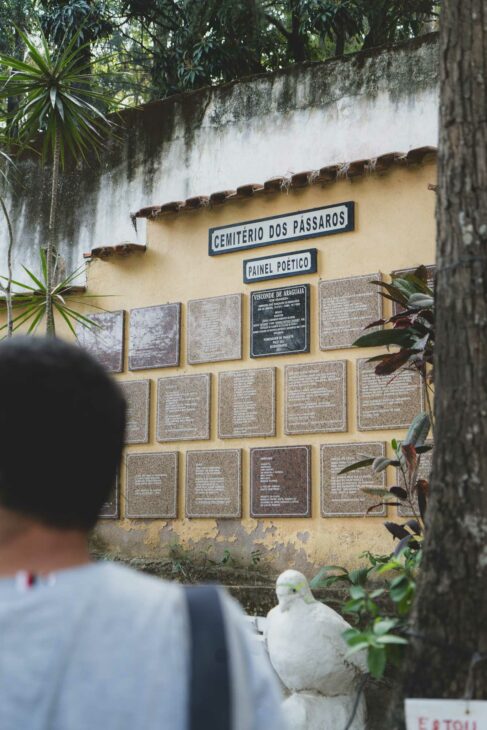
x,y
222,196
324,175
246,191
121,249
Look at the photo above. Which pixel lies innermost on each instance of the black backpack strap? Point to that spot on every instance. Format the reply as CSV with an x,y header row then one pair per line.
x,y
209,686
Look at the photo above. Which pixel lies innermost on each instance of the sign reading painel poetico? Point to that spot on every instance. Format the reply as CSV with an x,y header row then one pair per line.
x,y
281,228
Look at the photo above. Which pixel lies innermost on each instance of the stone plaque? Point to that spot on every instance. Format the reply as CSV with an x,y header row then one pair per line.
x,y
183,408
384,402
279,321
105,340
424,472
152,485
341,494
280,481
215,329
315,397
247,403
137,396
213,483
110,510
154,337
346,307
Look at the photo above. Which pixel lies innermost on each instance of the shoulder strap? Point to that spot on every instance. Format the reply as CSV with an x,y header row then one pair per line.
x,y
209,686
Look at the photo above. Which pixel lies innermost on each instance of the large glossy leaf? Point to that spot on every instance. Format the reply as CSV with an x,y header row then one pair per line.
x,y
357,465
418,430
400,337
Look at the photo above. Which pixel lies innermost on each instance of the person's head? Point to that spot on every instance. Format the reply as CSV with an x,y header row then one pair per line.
x,y
62,420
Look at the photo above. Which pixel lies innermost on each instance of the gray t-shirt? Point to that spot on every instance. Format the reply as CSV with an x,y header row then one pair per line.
x,y
102,647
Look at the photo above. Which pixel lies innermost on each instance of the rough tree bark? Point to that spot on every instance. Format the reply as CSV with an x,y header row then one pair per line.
x,y
450,615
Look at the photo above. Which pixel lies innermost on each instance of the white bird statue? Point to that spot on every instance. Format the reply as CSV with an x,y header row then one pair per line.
x,y
305,641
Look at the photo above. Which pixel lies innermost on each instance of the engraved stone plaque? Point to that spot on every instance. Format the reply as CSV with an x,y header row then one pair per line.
x,y
424,472
247,403
383,402
280,481
213,483
152,485
137,394
346,307
183,408
341,494
315,397
105,340
110,510
215,329
154,337
279,321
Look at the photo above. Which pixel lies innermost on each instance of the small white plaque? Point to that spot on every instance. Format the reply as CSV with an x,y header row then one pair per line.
x,y
446,715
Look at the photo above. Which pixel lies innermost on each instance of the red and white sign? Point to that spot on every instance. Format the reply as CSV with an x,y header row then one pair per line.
x,y
446,715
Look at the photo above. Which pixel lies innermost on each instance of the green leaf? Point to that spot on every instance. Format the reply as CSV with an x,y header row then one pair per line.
x,y
391,639
359,646
380,464
357,465
400,337
418,431
376,661
357,591
384,626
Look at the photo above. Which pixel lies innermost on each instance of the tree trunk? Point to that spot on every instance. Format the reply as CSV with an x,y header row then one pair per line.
x,y
7,288
297,41
51,255
451,606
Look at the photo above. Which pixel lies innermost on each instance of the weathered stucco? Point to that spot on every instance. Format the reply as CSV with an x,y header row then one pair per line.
x,y
213,139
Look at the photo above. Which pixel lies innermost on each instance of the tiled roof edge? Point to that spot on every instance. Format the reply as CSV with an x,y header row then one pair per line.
x,y
325,175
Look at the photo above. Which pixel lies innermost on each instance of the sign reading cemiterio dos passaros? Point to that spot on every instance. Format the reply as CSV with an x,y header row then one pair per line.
x,y
281,228
446,715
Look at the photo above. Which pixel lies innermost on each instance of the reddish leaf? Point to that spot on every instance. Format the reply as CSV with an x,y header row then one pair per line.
x,y
399,492
397,531
392,362
377,323
403,322
422,487
410,455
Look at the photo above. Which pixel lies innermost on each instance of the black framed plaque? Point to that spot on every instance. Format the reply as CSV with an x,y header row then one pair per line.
x,y
279,321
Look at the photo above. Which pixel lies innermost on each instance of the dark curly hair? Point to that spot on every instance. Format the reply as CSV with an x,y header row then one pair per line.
x,y
62,420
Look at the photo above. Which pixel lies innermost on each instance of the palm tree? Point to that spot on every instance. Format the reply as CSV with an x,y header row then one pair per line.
x,y
58,103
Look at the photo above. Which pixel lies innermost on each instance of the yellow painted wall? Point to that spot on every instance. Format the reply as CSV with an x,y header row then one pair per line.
x,y
395,229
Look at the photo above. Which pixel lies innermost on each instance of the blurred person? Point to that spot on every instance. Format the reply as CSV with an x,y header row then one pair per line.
x,y
95,645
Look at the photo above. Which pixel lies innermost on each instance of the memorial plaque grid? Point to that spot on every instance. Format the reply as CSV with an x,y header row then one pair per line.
x,y
214,329
105,341
346,307
384,403
341,495
280,321
424,472
284,472
157,473
111,509
137,397
220,470
154,337
306,405
183,407
247,403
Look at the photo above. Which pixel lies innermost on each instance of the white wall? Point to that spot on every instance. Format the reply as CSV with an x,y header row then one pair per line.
x,y
300,119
